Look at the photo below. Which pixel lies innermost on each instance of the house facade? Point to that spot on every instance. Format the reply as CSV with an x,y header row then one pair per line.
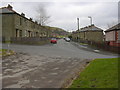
x,y
112,35
17,25
89,33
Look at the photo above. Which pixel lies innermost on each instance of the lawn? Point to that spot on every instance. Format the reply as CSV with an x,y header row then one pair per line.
x,y
100,73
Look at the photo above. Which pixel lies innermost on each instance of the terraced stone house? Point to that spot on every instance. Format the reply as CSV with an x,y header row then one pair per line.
x,y
18,25
89,33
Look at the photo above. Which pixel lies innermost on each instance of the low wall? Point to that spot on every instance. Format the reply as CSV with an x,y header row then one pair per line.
x,y
31,40
114,43
100,45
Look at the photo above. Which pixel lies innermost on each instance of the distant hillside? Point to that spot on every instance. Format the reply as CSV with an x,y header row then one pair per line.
x,y
54,28
55,31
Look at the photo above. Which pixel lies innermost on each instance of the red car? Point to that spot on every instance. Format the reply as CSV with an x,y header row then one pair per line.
x,y
53,40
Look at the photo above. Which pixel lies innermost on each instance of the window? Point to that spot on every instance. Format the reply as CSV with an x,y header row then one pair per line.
x,y
20,32
25,33
33,25
17,33
20,21
37,34
25,22
29,33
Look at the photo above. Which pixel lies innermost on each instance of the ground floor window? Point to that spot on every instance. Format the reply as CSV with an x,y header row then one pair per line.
x,y
29,34
20,33
17,33
37,34
25,33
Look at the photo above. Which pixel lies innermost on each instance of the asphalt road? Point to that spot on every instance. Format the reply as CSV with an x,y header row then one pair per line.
x,y
63,49
47,66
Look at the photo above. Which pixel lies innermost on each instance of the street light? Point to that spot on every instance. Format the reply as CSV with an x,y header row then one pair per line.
x,y
90,20
78,23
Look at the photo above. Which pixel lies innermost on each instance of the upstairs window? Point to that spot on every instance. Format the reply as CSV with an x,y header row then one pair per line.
x,y
20,21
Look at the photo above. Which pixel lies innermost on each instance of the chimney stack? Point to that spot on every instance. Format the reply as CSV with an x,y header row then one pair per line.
x,y
9,7
22,14
31,19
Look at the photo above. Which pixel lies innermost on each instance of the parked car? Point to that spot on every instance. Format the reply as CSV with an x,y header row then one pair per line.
x,y
67,39
53,40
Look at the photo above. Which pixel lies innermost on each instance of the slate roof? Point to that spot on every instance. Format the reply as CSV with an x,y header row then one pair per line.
x,y
114,28
6,10
91,28
9,10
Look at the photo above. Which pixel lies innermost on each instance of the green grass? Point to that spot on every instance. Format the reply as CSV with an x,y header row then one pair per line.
x,y
100,73
5,52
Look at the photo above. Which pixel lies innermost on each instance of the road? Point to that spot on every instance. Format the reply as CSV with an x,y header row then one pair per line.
x,y
63,49
47,66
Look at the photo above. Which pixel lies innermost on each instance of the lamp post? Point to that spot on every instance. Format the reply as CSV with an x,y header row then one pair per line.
x,y
78,23
91,23
90,20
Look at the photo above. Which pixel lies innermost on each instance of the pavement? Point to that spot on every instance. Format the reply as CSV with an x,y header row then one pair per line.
x,y
47,66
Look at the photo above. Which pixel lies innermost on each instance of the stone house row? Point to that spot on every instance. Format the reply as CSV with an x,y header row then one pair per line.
x,y
89,33
17,25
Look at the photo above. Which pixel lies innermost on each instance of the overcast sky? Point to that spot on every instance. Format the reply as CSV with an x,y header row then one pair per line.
x,y
64,14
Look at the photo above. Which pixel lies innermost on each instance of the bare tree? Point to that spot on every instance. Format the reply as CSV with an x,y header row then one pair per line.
x,y
42,17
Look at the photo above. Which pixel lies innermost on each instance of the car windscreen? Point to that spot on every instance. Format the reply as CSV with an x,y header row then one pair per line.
x,y
53,39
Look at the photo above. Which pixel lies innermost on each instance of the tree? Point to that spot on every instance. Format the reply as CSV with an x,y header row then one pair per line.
x,y
42,17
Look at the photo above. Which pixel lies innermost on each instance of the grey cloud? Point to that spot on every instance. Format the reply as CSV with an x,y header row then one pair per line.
x,y
64,14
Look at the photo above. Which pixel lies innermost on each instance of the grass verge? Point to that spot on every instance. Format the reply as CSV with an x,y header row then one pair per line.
x,y
100,73
5,52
